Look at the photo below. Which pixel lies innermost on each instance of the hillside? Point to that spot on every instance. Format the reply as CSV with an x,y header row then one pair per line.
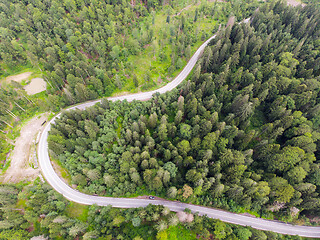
x,y
87,50
242,133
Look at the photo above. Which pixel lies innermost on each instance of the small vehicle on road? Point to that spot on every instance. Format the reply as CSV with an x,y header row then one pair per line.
x,y
151,197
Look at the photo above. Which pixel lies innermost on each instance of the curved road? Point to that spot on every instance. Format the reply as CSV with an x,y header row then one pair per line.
x,y
76,196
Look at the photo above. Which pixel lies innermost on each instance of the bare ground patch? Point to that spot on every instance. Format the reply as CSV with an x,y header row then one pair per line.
x,y
35,86
295,3
19,77
22,166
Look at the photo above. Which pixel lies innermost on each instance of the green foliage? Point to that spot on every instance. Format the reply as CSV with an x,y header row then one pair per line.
x,y
240,133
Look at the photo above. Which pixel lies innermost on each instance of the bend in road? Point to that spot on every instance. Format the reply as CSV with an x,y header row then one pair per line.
x,y
76,196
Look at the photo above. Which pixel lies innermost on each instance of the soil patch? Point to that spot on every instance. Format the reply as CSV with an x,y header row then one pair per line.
x,y
35,86
23,157
19,77
295,3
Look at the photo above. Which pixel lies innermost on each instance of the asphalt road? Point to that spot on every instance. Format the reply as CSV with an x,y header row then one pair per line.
x,y
75,196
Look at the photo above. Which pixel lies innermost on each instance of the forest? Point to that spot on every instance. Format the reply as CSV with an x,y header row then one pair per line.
x,y
241,133
84,47
92,49
37,211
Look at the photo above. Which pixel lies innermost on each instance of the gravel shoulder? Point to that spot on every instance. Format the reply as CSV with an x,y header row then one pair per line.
x,y
23,166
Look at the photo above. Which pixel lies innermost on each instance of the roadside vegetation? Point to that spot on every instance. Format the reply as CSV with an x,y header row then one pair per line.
x,y
36,210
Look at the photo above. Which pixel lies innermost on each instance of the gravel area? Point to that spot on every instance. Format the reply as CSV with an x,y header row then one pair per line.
x,y
35,86
295,3
22,157
19,77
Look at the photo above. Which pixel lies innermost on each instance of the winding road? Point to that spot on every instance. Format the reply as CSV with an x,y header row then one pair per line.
x,y
76,196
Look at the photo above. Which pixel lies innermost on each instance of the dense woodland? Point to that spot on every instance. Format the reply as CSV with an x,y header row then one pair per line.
x,y
83,47
242,132
90,49
38,210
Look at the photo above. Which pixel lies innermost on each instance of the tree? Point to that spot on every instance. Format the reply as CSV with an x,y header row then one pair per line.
x,y
115,53
218,190
136,221
118,220
296,175
108,180
185,131
162,132
153,119
162,235
171,168
156,184
184,147
196,16
257,234
281,190
94,174
178,117
168,19
187,191
219,229
243,233
188,52
286,159
161,226
135,81
174,220
172,192
77,229
90,235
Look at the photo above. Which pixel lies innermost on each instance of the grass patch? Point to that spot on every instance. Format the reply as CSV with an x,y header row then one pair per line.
x,y
62,172
76,210
151,66
180,232
21,203
41,95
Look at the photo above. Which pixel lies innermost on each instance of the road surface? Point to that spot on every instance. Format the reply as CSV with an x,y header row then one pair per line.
x,y
76,196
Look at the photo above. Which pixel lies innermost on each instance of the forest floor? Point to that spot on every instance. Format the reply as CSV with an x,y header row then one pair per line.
x,y
22,157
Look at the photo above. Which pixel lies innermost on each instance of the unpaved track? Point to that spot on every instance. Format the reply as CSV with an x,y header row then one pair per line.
x,y
20,168
19,77
295,3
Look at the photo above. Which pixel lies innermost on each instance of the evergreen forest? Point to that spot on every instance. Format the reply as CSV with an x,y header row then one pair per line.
x,y
241,133
91,49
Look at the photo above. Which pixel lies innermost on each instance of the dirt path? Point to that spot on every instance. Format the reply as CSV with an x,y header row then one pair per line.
x,y
295,3
22,157
186,8
19,77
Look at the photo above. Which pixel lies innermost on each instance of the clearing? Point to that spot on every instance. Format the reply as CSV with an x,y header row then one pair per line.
x,y
35,86
18,78
295,3
23,156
